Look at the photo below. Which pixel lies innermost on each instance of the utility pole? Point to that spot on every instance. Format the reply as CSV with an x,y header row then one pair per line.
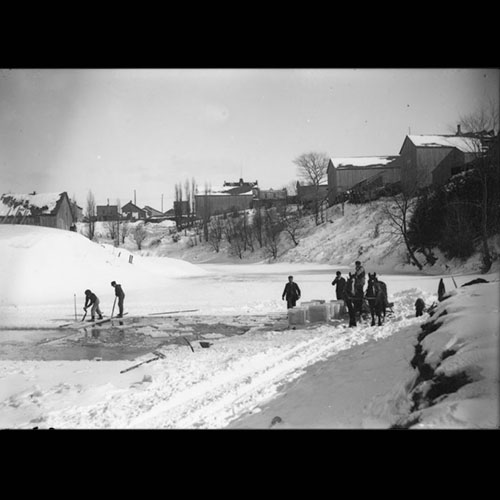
x,y
162,203
135,203
118,209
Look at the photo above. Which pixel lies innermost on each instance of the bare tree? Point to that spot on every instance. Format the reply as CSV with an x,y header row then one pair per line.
x,y
234,232
139,234
482,129
258,225
112,229
291,188
215,232
312,168
291,223
247,233
91,215
187,193
124,230
178,206
398,210
194,191
119,210
206,210
272,230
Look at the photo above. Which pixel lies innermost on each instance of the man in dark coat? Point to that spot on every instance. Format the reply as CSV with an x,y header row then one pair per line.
x,y
121,296
91,299
340,282
348,299
291,292
359,284
359,276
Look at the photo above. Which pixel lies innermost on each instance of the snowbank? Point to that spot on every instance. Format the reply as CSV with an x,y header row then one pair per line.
x,y
455,383
42,265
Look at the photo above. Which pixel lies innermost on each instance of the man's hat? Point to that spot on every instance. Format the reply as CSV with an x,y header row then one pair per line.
x,y
113,283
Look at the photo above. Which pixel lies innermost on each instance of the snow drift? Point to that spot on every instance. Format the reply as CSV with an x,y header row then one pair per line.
x,y
44,265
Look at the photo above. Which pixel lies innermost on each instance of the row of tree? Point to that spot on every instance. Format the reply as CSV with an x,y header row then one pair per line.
x,y
185,203
249,230
116,230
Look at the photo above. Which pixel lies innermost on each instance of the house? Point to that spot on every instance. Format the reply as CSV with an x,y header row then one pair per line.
x,y
231,196
307,194
77,211
170,214
37,209
457,162
133,212
152,213
107,212
347,173
426,159
270,197
182,208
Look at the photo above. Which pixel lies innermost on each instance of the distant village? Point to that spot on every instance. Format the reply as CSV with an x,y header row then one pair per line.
x,y
423,160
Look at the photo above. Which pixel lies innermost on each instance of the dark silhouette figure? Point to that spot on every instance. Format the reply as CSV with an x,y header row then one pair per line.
x,y
340,282
91,299
291,292
348,299
419,307
121,297
359,284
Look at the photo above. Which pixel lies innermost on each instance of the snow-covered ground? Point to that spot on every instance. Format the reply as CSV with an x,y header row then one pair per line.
x,y
207,388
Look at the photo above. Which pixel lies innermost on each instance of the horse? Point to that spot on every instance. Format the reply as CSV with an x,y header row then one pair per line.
x,y
376,294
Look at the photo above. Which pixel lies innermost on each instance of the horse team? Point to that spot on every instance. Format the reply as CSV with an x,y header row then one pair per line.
x,y
351,291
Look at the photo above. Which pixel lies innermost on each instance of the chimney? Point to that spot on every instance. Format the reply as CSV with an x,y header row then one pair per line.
x,y
108,202
459,132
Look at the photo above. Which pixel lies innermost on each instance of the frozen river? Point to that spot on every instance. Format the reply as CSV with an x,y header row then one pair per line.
x,y
235,295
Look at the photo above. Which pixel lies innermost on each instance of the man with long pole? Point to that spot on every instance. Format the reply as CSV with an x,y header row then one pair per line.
x,y
121,297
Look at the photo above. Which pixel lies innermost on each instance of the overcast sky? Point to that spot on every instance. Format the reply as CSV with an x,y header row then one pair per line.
x,y
115,130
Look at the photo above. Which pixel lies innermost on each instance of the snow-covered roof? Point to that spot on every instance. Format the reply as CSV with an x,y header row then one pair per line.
x,y
231,191
29,204
152,210
464,144
362,161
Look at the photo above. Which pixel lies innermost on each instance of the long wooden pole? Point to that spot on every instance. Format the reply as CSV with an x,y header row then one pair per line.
x,y
75,306
113,310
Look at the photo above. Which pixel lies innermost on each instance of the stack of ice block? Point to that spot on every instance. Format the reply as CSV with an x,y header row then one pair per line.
x,y
337,308
297,316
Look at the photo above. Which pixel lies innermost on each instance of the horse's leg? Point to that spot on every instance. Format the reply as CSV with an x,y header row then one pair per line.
x,y
352,313
372,312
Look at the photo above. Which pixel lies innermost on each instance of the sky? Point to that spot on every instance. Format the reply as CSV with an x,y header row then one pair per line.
x,y
113,131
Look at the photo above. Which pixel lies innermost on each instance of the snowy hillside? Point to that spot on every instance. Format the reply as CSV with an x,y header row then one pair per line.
x,y
362,233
